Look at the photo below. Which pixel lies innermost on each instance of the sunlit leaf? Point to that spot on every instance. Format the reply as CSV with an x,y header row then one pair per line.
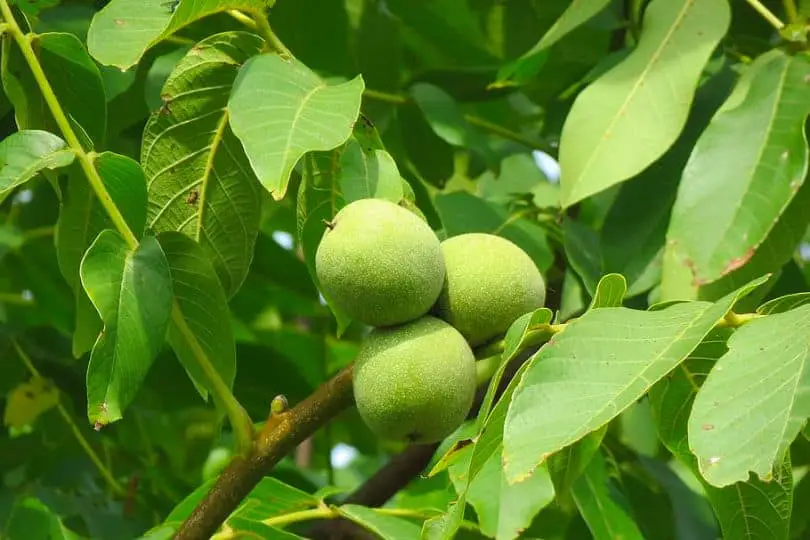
x,y
755,401
596,368
504,510
632,114
123,30
752,509
132,291
281,110
200,181
755,153
385,526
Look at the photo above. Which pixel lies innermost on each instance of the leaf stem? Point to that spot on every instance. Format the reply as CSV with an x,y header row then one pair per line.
x,y
322,512
16,299
766,13
791,11
24,43
263,27
735,320
419,514
483,123
117,488
240,421
242,18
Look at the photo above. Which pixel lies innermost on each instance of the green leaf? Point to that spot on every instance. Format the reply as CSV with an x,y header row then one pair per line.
x,y
385,526
463,212
200,180
254,528
444,33
784,303
504,510
778,248
368,172
270,499
487,444
523,69
82,218
752,509
756,153
203,305
650,92
123,30
74,79
520,503
754,402
602,503
281,110
567,465
132,292
610,292
527,327
319,199
447,121
584,253
25,153
597,367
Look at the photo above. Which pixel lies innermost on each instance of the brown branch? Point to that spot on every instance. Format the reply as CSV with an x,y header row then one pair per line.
x,y
282,433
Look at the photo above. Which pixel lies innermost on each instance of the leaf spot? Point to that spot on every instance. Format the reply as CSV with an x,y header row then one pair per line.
x,y
737,262
708,427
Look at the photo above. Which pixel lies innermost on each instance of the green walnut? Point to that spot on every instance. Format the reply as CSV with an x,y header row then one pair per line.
x,y
380,263
490,282
414,382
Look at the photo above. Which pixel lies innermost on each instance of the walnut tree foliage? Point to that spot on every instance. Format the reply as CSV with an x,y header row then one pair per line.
x,y
169,368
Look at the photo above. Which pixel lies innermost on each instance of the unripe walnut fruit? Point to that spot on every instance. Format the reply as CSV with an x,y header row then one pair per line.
x,y
489,283
380,263
415,382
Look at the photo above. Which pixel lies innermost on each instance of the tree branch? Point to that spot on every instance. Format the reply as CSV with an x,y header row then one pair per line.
x,y
281,434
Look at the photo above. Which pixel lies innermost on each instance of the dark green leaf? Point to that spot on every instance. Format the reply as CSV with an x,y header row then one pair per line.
x,y
529,64
202,303
463,212
132,292
319,199
602,503
74,79
447,120
82,218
